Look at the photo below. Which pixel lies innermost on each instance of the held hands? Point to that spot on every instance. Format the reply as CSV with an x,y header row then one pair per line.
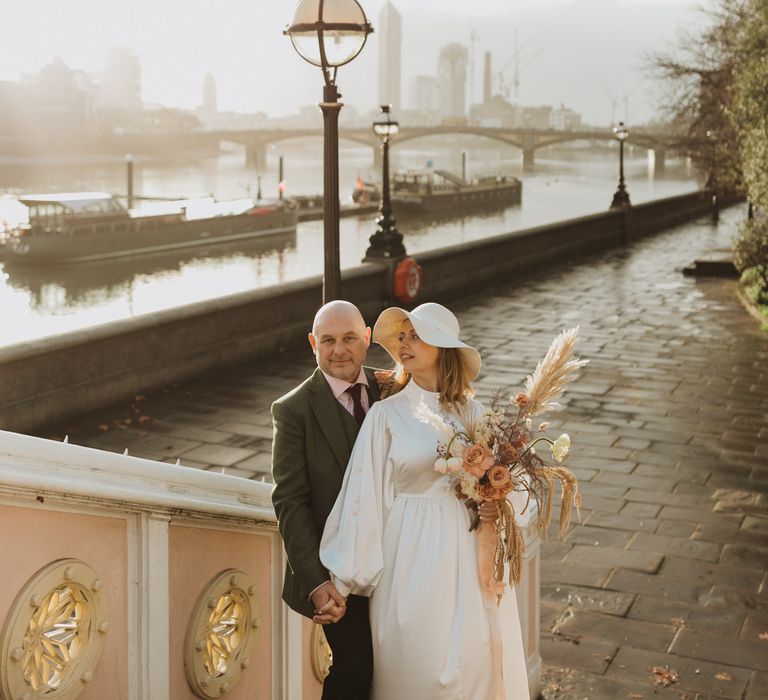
x,y
330,605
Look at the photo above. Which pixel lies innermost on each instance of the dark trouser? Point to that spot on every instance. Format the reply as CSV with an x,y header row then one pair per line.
x,y
350,642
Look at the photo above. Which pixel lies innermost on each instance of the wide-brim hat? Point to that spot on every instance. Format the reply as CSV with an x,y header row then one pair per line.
x,y
434,324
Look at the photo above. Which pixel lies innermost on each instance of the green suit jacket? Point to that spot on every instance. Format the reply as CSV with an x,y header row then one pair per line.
x,y
312,441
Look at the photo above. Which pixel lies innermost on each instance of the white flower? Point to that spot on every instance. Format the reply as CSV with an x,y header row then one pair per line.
x,y
441,465
469,487
543,426
454,464
457,448
561,447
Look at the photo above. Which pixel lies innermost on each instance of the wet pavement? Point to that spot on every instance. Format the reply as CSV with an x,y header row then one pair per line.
x,y
662,589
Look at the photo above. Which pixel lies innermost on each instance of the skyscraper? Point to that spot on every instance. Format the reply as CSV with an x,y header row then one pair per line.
x,y
452,81
121,81
209,108
390,49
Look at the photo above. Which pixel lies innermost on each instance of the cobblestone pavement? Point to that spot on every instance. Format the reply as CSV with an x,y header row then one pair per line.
x,y
667,570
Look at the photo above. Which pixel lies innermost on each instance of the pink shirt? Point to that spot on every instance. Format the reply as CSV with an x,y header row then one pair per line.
x,y
339,388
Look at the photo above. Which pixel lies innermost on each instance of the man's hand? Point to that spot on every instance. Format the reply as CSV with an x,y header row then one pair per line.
x,y
330,605
488,511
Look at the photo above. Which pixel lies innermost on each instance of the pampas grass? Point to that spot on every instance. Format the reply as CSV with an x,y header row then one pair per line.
x,y
558,368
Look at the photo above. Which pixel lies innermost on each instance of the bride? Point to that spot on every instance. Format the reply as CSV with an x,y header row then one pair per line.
x,y
399,534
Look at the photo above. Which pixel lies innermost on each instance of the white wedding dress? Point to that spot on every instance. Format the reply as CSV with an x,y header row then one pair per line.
x,y
398,534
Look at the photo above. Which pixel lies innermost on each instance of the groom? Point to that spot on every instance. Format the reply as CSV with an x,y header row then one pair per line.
x,y
315,427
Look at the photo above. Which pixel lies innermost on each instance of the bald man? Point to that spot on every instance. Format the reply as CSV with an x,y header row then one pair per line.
x,y
315,427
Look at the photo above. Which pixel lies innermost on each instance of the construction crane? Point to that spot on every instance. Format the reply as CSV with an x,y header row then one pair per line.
x,y
503,84
474,37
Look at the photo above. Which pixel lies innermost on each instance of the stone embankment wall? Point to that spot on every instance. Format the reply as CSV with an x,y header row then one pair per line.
x,y
45,381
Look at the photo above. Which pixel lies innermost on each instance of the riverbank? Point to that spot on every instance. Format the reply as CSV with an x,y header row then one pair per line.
x,y
47,380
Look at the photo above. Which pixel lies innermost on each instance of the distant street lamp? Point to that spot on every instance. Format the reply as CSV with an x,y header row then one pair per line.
x,y
329,34
711,183
387,242
621,196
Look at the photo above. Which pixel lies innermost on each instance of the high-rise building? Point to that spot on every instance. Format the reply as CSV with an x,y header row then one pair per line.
x,y
452,81
121,82
425,93
209,108
390,50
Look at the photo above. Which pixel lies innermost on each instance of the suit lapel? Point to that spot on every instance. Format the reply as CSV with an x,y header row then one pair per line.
x,y
373,386
326,409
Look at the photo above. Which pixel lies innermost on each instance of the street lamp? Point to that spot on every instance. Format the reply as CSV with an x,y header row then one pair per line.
x,y
711,183
621,196
387,242
329,34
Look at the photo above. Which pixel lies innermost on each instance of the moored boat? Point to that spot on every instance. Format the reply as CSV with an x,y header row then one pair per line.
x,y
86,226
439,190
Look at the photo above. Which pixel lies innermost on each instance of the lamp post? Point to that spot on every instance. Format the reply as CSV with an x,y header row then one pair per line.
x,y
387,242
621,196
711,183
329,34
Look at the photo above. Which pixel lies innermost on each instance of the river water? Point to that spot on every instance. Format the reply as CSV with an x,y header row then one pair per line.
x,y
41,301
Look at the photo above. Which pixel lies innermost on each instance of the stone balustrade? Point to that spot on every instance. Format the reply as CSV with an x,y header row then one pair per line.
x,y
129,578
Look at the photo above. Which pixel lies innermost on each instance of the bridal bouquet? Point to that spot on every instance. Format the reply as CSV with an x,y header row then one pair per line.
x,y
505,452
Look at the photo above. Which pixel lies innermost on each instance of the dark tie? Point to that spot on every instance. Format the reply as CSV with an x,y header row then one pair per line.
x,y
355,391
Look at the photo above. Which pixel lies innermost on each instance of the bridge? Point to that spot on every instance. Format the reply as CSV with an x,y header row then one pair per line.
x,y
528,140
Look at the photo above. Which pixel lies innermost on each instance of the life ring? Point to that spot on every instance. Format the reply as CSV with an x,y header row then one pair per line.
x,y
406,283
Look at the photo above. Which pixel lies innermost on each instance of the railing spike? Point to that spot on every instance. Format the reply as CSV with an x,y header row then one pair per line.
x,y
65,440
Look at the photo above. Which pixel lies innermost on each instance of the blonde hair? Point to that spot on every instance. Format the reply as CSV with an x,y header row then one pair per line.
x,y
452,377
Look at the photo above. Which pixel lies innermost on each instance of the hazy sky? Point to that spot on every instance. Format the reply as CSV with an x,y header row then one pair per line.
x,y
574,51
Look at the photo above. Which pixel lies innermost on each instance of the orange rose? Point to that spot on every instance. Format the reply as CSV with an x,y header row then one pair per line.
x,y
498,476
477,460
521,399
489,493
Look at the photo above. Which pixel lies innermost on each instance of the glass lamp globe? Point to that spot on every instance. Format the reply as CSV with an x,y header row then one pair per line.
x,y
339,26
621,132
384,126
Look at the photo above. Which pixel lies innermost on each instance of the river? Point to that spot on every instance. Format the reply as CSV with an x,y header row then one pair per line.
x,y
41,301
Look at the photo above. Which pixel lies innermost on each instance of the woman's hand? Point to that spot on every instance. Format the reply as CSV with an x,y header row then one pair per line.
x,y
488,511
330,605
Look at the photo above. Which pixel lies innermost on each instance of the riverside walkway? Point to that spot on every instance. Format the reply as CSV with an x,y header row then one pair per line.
x,y
662,590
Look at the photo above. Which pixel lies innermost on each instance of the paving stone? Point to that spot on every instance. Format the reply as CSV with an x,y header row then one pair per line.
x,y
695,676
587,655
576,574
585,598
620,630
737,596
623,522
706,572
659,586
647,511
170,446
555,551
688,616
243,428
756,628
605,556
719,648
564,684
219,455
260,462
599,503
598,536
758,686
199,434
680,547
676,528
730,535
698,515
745,555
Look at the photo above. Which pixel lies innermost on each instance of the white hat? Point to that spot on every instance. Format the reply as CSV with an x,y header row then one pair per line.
x,y
433,323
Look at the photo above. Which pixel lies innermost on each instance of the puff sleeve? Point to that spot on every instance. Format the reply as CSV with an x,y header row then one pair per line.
x,y
351,545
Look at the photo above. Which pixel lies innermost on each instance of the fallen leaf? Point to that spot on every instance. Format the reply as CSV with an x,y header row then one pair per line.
x,y
139,397
763,636
664,676
636,696
724,676
103,427
678,621
143,420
